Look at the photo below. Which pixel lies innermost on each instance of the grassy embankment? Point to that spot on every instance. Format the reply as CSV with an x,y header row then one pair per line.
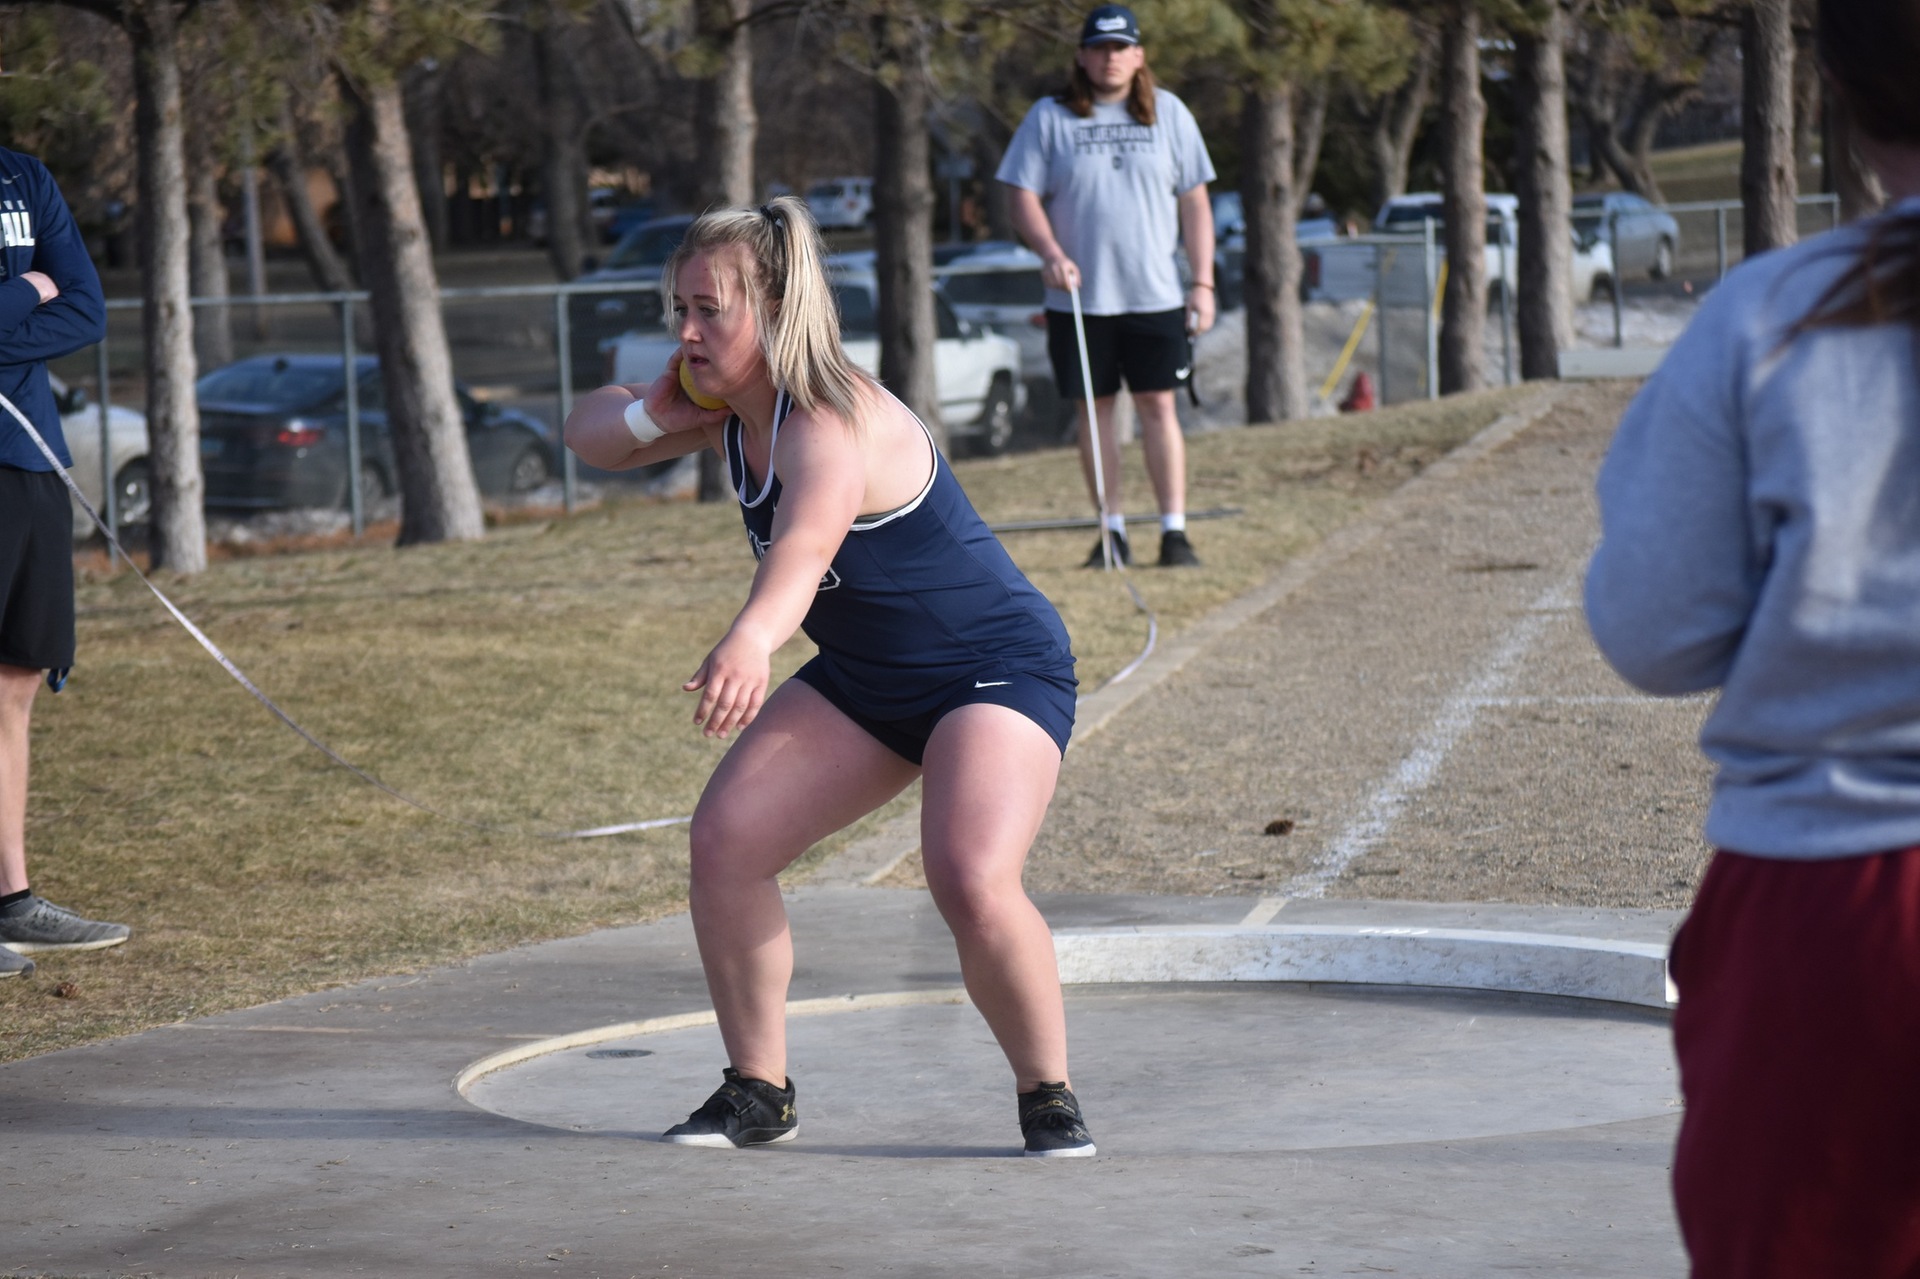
x,y
530,680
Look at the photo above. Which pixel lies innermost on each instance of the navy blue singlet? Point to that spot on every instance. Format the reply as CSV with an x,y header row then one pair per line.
x,y
917,599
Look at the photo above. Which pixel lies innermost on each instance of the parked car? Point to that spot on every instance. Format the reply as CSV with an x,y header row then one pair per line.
x,y
841,202
997,286
976,371
594,319
1314,226
127,444
1644,237
601,202
1339,271
273,433
625,217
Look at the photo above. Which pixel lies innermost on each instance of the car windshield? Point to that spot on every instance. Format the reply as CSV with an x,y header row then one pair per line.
x,y
1402,214
1018,287
270,382
647,246
856,308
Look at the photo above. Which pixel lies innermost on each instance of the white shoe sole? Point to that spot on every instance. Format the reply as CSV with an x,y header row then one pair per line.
x,y
40,947
714,1141
1078,1152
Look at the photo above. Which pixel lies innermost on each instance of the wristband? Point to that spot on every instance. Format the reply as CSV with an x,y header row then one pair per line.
x,y
642,426
1202,284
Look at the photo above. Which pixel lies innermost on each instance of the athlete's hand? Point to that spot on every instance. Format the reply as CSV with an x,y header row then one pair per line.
x,y
669,407
1200,308
1060,273
43,285
732,683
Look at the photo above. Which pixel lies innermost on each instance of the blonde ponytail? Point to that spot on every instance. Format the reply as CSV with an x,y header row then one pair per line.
x,y
785,286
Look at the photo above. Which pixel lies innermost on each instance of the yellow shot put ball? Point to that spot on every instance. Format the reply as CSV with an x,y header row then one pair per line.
x,y
703,401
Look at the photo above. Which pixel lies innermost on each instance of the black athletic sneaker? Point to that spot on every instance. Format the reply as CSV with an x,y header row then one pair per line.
x,y
1122,553
1050,1121
1176,551
743,1112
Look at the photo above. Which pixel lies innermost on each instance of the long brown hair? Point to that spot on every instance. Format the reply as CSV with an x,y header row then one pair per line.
x,y
1869,50
1077,97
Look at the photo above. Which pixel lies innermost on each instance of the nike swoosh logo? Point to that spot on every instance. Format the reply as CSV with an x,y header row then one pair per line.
x,y
991,683
1181,373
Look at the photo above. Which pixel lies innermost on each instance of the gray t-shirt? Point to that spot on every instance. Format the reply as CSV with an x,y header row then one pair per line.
x,y
1109,185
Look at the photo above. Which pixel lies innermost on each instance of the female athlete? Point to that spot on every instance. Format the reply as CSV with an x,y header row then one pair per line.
x,y
937,660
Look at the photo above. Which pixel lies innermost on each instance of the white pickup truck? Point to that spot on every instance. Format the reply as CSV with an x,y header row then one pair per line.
x,y
976,371
1341,270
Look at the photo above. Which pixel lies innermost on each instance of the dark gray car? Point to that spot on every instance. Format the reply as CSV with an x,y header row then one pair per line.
x,y
273,433
637,260
1645,237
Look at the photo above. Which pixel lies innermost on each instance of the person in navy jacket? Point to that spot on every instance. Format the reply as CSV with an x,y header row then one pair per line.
x,y
50,306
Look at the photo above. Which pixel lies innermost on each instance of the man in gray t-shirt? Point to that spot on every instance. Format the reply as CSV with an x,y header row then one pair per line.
x,y
1105,179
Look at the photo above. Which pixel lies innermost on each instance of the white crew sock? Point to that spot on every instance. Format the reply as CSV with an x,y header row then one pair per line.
x,y
1173,523
1118,523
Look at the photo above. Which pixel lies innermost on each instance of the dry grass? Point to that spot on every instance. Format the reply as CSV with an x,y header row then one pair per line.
x,y
532,681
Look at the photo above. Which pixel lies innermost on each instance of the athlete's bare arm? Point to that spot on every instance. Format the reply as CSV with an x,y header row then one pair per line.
x,y
598,434
822,471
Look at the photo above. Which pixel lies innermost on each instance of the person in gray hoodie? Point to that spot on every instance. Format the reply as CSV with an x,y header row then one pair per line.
x,y
1760,517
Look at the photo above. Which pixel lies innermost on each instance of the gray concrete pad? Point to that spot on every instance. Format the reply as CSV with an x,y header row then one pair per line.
x,y
1248,1130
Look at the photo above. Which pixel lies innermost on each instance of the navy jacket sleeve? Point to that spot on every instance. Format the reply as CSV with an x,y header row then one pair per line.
x,y
78,317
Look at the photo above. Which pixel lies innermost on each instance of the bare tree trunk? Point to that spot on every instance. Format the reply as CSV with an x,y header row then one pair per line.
x,y
733,126
563,166
1768,179
903,224
328,269
1310,128
207,256
1396,126
1463,116
426,117
1544,294
438,498
179,539
1276,341
1848,176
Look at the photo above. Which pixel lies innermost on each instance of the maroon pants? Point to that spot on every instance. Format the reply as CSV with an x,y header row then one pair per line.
x,y
1798,1034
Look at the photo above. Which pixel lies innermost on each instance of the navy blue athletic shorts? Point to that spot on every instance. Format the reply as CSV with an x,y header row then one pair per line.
x,y
1045,700
1151,350
36,571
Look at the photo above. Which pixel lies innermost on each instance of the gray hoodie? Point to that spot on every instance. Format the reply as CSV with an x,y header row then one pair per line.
x,y
1760,534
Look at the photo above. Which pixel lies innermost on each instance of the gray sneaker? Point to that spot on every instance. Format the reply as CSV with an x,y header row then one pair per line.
x,y
37,924
12,965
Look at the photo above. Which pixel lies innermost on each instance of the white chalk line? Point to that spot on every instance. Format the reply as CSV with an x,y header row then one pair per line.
x,y
1417,771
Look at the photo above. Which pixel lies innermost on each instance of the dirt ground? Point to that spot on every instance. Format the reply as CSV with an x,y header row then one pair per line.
x,y
1426,720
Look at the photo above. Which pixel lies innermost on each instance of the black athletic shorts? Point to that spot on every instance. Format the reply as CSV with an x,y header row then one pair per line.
x,y
1151,350
36,571
1046,700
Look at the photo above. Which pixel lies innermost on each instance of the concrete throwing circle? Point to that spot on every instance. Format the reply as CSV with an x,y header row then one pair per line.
x,y
1160,1069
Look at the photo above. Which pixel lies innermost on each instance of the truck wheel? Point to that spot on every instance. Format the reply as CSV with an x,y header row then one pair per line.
x,y
132,494
996,418
1662,260
530,470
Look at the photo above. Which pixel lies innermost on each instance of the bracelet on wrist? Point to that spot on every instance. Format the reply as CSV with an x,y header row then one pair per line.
x,y
1203,284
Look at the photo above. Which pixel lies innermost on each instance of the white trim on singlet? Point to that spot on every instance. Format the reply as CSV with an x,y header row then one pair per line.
x,y
735,440
933,473
780,405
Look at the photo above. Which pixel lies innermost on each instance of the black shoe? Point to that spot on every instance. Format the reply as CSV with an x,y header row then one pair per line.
x,y
1122,553
1050,1121
1176,551
743,1112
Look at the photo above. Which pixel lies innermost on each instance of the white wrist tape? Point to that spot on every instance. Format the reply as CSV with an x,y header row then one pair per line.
x,y
640,424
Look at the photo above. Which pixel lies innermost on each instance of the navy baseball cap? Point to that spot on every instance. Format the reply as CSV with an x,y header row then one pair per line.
x,y
1110,22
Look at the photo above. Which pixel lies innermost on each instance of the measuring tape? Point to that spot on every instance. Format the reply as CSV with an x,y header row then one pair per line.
x,y
240,677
